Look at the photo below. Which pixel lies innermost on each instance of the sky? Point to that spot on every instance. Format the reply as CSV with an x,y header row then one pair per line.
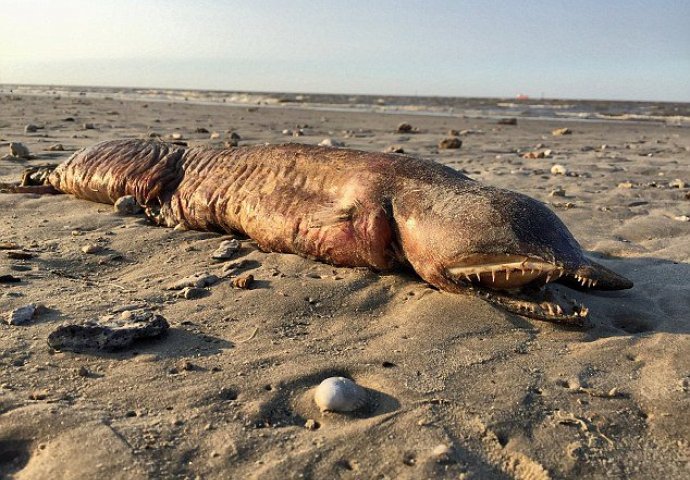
x,y
584,49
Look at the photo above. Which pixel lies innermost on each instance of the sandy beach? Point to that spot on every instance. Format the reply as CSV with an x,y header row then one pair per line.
x,y
458,388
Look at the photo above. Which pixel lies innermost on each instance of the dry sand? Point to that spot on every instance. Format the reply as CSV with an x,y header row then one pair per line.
x,y
462,389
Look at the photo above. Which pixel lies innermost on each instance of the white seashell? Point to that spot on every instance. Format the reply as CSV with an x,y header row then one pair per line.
x,y
339,394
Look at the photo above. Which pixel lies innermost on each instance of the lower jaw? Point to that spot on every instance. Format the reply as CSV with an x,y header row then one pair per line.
x,y
527,304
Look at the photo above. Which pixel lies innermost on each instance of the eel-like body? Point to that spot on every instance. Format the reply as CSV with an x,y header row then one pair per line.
x,y
351,208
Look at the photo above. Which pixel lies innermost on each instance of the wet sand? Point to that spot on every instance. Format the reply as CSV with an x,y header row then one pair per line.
x,y
459,389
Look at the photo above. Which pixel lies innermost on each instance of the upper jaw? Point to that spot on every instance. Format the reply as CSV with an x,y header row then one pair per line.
x,y
502,280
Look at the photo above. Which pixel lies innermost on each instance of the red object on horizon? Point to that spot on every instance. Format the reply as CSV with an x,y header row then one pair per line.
x,y
521,96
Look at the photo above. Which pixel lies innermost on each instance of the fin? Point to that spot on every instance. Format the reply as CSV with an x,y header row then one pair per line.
x,y
37,189
331,215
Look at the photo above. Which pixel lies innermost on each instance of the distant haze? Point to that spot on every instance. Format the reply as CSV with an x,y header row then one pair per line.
x,y
632,50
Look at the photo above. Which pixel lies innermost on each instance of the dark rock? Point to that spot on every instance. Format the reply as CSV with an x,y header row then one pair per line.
x,y
450,143
108,333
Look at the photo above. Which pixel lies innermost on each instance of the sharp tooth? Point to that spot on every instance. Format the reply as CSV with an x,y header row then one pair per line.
x,y
548,277
559,310
493,275
523,271
508,273
583,281
478,276
594,283
589,283
549,308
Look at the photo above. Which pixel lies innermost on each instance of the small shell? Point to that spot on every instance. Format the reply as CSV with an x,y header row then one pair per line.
x,y
339,394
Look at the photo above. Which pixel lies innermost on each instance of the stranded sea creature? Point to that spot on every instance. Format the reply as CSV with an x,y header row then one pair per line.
x,y
350,208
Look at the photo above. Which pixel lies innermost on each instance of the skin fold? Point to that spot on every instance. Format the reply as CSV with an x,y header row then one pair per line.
x,y
351,208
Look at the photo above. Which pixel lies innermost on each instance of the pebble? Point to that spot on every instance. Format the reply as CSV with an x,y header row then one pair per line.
x,y
677,183
507,121
561,131
56,147
230,143
191,293
20,150
19,255
340,394
450,143
215,136
30,128
199,280
235,136
558,192
127,205
108,333
537,154
442,452
226,250
22,315
404,128
625,185
311,424
201,130
558,169
9,279
682,218
92,249
244,282
89,126
394,149
331,142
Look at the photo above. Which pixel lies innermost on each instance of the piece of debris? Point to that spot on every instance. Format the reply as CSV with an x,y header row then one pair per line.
x,y
394,149
56,147
18,149
450,143
558,192
558,169
127,205
19,255
625,185
561,131
30,128
191,293
507,121
331,142
245,281
9,279
23,315
92,249
199,280
226,250
677,183
404,128
108,333
537,154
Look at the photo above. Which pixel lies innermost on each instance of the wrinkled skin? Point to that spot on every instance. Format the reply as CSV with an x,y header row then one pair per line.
x,y
351,208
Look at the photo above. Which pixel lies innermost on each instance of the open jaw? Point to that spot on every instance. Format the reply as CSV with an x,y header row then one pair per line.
x,y
515,283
